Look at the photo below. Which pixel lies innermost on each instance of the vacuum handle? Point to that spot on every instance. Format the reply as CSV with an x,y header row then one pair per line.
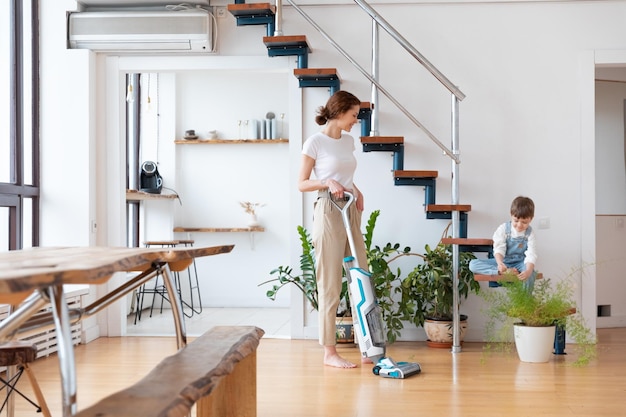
x,y
346,222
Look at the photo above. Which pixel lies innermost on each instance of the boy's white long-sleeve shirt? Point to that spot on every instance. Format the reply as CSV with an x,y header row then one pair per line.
x,y
499,243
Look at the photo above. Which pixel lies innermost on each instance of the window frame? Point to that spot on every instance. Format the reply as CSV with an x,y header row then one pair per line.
x,y
16,191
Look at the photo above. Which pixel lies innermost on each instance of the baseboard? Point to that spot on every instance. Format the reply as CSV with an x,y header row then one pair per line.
x,y
609,322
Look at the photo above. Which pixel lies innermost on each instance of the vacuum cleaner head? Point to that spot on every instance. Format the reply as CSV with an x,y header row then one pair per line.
x,y
388,368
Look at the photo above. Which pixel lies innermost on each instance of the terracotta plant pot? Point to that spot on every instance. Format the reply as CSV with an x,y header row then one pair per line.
x,y
439,332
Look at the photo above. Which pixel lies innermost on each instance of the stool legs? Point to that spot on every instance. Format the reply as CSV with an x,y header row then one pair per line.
x,y
13,375
196,287
38,394
193,287
159,289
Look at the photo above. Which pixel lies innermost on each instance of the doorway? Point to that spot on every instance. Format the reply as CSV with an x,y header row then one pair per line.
x,y
610,183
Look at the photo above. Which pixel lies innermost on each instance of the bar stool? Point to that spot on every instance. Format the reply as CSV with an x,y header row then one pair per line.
x,y
192,286
15,356
158,289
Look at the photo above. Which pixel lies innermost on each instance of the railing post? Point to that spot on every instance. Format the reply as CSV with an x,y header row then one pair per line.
x,y
375,53
278,19
456,325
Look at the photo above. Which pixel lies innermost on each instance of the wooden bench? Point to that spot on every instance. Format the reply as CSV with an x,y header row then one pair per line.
x,y
217,371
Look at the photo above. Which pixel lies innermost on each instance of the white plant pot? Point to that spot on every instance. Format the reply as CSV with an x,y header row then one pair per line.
x,y
534,344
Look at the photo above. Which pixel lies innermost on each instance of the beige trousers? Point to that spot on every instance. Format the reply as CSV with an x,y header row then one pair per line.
x,y
331,246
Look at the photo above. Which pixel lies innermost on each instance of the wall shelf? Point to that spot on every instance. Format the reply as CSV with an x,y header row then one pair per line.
x,y
221,141
219,229
250,230
136,195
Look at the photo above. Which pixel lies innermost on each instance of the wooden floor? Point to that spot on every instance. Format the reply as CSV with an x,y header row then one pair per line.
x,y
292,381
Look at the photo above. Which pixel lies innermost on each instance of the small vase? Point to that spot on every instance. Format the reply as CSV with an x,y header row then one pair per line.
x,y
253,221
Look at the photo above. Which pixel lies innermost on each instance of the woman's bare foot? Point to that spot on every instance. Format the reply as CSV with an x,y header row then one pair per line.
x,y
366,360
337,361
332,358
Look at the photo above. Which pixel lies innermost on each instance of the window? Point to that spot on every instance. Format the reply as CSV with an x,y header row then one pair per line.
x,y
19,124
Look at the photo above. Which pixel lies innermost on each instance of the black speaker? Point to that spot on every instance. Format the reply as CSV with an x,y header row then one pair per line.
x,y
149,179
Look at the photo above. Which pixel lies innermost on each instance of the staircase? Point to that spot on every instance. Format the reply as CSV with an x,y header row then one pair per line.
x,y
297,45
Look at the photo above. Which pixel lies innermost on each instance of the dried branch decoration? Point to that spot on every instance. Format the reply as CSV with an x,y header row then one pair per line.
x,y
250,207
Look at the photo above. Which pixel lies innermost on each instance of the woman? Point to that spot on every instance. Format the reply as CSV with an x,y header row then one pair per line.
x,y
329,155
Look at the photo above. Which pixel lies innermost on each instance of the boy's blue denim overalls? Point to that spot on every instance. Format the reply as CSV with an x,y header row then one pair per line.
x,y
514,257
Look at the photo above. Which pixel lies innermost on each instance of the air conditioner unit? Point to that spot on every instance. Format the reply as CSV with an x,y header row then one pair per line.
x,y
141,31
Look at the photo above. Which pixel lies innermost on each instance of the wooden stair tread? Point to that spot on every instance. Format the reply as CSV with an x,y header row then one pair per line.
x,y
375,140
448,207
415,174
282,41
466,241
313,73
503,278
250,9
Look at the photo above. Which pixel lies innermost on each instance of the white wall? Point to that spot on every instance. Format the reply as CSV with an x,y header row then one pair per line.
x,y
526,68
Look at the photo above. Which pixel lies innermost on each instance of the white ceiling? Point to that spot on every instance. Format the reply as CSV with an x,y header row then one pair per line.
x,y
612,73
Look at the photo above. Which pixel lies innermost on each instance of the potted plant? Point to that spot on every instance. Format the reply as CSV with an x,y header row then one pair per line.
x,y
430,288
343,321
306,282
387,282
534,317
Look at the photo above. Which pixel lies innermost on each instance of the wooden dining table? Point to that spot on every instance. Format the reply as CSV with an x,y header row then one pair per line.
x,y
31,278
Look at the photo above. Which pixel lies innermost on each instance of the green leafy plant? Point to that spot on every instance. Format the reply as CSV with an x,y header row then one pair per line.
x,y
430,285
547,304
387,281
305,281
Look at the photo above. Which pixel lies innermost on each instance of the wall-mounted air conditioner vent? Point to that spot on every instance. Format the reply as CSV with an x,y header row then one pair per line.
x,y
128,31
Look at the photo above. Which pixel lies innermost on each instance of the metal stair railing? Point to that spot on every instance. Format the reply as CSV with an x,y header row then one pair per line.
x,y
456,97
405,44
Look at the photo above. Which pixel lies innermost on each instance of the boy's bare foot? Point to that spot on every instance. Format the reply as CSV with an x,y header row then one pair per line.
x,y
337,361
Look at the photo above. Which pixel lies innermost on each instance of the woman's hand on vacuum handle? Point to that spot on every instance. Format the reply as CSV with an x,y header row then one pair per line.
x,y
335,188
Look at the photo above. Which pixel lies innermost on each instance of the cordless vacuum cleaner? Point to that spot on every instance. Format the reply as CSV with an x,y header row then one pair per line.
x,y
366,314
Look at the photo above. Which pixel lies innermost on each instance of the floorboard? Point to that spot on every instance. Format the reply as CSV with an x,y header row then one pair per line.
x,y
293,382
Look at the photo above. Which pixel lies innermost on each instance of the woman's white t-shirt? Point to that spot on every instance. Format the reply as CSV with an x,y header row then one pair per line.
x,y
334,158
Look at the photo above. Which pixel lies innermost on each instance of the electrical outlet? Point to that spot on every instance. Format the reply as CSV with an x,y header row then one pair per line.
x,y
220,12
544,223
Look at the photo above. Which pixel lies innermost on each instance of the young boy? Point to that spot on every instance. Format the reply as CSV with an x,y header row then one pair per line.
x,y
514,247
